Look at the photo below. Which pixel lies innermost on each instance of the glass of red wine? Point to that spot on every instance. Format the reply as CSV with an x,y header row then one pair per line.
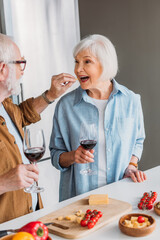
x,y
34,149
88,140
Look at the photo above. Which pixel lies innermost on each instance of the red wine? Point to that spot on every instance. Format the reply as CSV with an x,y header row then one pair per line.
x,y
88,144
34,154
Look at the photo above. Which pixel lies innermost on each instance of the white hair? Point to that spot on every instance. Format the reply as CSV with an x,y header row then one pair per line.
x,y
7,49
8,53
13,85
102,48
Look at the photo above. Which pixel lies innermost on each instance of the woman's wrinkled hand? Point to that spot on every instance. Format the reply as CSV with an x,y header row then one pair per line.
x,y
82,155
135,174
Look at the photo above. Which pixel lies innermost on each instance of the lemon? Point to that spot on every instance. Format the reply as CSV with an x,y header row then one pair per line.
x,y
23,236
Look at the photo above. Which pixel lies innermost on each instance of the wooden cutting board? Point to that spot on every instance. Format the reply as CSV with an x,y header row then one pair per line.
x,y
73,230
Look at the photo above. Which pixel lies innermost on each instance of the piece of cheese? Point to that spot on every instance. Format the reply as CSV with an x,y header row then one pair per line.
x,y
60,218
133,223
98,199
79,219
78,213
72,218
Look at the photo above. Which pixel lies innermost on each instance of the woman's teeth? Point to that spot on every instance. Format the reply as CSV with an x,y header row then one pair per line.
x,y
83,79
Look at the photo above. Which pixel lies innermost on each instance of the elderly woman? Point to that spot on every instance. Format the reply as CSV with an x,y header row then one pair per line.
x,y
115,110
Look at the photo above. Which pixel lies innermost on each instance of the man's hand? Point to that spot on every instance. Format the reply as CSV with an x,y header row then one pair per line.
x,y
59,84
134,174
19,177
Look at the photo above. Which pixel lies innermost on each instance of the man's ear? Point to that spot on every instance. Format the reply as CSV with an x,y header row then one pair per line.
x,y
3,71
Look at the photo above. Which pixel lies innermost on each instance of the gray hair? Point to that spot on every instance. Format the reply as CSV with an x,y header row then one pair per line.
x,y
8,53
102,48
7,49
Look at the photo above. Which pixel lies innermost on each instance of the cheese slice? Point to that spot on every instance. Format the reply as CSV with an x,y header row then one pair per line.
x,y
98,199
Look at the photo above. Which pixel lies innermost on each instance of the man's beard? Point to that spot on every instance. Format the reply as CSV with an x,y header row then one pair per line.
x,y
12,84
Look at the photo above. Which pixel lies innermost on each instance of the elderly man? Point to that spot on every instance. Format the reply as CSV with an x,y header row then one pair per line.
x,y
14,174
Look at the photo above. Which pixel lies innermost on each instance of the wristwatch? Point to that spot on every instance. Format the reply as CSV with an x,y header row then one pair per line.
x,y
45,97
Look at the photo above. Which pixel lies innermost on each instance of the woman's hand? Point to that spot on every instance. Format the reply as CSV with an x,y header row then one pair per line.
x,y
135,174
82,155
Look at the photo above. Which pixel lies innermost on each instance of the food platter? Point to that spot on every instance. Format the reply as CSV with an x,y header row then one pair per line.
x,y
71,230
136,232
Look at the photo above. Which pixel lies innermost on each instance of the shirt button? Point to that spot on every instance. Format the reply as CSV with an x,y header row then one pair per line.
x,y
108,168
3,123
107,129
108,149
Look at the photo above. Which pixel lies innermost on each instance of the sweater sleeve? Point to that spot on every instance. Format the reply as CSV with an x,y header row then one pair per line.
x,y
29,114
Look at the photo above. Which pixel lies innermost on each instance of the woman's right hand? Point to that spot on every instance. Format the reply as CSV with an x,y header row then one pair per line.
x,y
82,155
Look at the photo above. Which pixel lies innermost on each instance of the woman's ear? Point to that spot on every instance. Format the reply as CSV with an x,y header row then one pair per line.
x,y
3,71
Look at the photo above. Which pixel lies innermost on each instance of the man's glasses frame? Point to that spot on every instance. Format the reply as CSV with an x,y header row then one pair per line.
x,y
21,62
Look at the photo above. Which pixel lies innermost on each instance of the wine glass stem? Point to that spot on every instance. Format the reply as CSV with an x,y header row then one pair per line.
x,y
87,166
34,183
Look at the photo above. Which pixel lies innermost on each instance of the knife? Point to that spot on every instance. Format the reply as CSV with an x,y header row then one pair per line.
x,y
9,231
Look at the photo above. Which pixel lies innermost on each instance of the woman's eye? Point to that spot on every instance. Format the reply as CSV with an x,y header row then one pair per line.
x,y
87,61
76,61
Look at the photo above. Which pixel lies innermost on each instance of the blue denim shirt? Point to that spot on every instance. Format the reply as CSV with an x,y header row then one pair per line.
x,y
124,132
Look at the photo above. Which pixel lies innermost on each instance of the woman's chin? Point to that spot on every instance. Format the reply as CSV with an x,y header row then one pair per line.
x,y
84,88
84,85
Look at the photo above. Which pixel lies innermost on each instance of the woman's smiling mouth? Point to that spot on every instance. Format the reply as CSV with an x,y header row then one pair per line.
x,y
84,78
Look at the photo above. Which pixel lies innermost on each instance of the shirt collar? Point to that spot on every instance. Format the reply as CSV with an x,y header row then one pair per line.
x,y
82,94
117,88
79,95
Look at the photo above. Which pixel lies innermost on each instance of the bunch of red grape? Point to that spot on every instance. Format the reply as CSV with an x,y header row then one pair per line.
x,y
146,202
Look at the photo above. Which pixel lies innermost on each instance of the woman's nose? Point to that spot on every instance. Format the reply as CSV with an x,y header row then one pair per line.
x,y
79,68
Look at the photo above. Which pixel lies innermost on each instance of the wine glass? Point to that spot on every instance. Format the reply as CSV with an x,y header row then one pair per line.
x,y
88,140
34,149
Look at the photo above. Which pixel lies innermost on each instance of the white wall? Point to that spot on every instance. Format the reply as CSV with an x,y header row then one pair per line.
x,y
46,32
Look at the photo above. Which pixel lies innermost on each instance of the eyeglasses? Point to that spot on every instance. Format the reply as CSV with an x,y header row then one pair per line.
x,y
22,63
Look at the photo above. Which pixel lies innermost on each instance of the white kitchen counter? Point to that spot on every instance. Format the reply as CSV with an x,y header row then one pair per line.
x,y
124,190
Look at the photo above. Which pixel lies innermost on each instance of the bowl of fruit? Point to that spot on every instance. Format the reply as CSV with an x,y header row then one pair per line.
x,y
137,225
157,208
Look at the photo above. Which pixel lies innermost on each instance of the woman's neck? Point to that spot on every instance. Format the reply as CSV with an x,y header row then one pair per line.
x,y
102,91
